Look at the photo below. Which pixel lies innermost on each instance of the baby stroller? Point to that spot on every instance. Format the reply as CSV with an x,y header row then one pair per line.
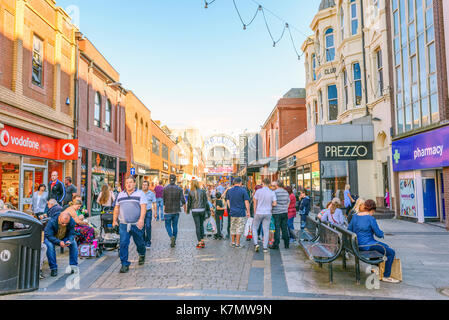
x,y
109,239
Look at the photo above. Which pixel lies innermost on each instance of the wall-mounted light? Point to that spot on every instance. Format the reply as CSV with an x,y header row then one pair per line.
x,y
377,119
67,101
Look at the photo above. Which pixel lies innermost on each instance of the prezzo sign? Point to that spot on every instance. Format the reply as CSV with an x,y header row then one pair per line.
x,y
423,151
19,141
345,151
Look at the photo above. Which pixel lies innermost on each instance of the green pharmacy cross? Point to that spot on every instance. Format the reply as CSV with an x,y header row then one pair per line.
x,y
397,156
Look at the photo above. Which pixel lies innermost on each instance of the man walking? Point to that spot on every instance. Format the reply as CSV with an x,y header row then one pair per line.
x,y
280,214
129,215
60,231
238,201
70,189
173,197
56,189
150,198
159,190
264,201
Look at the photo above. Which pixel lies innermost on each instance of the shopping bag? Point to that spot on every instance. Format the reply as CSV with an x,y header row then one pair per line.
x,y
213,224
396,270
248,226
225,213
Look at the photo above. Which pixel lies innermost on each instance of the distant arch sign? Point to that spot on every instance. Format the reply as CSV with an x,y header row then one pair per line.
x,y
221,141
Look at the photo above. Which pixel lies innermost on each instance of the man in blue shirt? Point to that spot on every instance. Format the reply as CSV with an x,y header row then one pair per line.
x,y
150,197
238,201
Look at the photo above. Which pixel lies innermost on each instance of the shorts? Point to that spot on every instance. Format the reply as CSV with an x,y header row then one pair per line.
x,y
237,225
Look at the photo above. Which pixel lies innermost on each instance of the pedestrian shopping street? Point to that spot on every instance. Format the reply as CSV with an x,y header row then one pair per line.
x,y
222,272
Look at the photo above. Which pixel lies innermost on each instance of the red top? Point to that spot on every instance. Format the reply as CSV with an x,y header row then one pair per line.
x,y
292,207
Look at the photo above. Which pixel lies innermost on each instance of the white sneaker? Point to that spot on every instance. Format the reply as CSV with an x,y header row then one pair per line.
x,y
257,248
390,280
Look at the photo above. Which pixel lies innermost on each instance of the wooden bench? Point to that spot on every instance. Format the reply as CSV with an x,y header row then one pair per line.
x,y
350,244
326,248
310,232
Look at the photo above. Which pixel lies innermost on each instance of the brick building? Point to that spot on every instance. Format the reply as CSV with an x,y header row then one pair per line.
x,y
139,142
100,124
164,153
287,121
37,70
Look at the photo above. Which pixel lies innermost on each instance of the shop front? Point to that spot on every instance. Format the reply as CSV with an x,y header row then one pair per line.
x,y
420,163
103,172
141,174
324,169
27,160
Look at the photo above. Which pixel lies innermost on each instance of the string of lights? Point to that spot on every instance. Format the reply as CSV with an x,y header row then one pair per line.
x,y
260,7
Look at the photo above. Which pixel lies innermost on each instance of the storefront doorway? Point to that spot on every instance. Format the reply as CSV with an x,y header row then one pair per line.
x,y
33,173
443,203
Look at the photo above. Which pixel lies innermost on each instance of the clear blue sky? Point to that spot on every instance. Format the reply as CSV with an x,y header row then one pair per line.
x,y
193,66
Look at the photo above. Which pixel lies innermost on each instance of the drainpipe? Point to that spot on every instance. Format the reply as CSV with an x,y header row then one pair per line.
x,y
364,56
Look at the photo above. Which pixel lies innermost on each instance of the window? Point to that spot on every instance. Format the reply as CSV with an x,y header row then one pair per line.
x,y
330,45
332,97
172,157
36,77
345,89
320,99
380,72
315,115
146,135
141,133
136,129
357,74
164,152
155,146
107,116
97,110
415,73
342,23
314,66
354,18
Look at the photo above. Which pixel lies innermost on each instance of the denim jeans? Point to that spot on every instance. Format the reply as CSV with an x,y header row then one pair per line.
x,y
160,208
147,228
389,252
125,236
291,227
171,224
303,220
51,254
280,222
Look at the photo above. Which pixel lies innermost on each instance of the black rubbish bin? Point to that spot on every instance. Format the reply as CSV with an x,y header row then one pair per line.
x,y
20,252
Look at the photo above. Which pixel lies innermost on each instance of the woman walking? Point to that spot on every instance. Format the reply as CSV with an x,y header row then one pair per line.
x,y
198,205
39,203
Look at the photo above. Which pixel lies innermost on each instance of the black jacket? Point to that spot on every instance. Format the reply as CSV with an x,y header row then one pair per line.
x,y
198,200
173,198
57,193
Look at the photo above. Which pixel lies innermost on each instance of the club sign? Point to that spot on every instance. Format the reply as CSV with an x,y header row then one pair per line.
x,y
345,151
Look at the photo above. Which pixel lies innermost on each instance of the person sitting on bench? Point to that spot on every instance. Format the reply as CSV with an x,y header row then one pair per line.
x,y
365,226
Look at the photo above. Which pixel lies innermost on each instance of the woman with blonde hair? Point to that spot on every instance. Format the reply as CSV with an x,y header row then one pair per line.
x,y
358,207
84,233
334,215
198,205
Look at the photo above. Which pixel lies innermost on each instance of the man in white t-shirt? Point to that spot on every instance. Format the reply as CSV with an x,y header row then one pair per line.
x,y
264,200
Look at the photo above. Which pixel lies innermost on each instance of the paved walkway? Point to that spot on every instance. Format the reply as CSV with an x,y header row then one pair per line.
x,y
222,272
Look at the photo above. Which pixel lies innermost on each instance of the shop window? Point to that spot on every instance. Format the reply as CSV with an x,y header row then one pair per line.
x,y
357,74
103,173
334,177
37,63
9,179
164,152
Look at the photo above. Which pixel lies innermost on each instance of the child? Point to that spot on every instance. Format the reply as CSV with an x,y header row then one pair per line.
x,y
219,212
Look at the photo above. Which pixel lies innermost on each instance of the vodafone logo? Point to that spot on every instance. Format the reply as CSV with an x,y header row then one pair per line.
x,y
4,138
68,149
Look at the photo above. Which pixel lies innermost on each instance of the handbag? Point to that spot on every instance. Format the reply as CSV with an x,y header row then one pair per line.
x,y
248,227
396,270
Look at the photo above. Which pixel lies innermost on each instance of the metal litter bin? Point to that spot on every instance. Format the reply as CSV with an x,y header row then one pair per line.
x,y
20,251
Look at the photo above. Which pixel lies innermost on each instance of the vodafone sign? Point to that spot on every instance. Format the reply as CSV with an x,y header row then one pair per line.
x,y
19,141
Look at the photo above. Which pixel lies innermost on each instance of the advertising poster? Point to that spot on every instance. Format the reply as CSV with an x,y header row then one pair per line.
x,y
408,197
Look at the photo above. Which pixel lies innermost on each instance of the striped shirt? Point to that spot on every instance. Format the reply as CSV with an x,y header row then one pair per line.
x,y
129,206
283,201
